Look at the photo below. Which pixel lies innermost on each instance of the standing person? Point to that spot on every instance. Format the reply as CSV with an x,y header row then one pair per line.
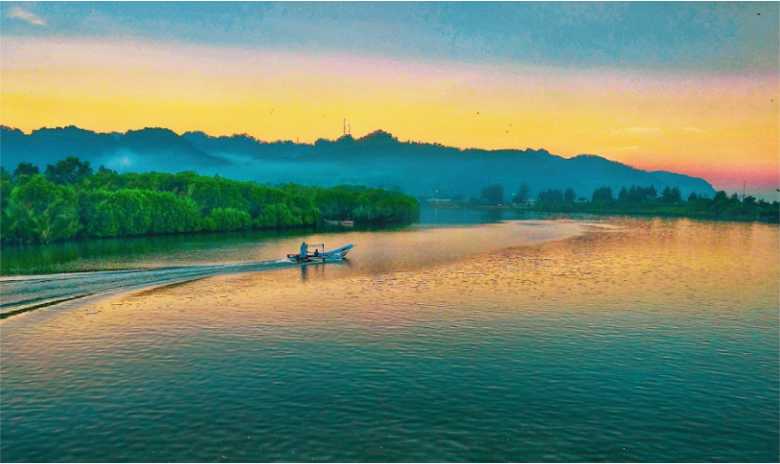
x,y
304,250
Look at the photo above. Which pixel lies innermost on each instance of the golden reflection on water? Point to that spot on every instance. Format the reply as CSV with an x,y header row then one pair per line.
x,y
675,269
624,340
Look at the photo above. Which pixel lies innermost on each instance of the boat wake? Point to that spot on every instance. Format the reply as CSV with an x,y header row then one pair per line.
x,y
25,293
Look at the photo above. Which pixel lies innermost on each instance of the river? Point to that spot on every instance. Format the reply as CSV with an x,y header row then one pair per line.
x,y
464,338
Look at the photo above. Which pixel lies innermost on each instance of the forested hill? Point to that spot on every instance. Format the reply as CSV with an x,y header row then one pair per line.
x,y
378,159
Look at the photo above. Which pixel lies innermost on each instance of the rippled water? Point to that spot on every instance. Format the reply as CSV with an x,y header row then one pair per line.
x,y
629,340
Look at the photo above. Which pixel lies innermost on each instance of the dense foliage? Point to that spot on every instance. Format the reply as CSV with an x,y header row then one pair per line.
x,y
69,200
646,200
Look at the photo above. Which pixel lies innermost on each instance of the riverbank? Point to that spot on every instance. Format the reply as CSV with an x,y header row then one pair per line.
x,y
770,214
665,212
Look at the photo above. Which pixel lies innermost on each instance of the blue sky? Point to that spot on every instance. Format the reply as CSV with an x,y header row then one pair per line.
x,y
720,37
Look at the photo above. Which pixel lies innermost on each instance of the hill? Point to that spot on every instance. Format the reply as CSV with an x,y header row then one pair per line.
x,y
378,159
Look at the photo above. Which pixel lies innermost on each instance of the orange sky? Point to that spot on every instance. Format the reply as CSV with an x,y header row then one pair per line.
x,y
721,126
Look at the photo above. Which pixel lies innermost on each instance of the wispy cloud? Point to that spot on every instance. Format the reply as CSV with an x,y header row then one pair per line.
x,y
22,14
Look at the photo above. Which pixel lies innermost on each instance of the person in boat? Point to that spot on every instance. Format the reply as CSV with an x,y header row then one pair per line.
x,y
304,251
316,253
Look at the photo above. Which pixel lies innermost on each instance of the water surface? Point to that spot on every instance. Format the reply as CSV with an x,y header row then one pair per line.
x,y
621,340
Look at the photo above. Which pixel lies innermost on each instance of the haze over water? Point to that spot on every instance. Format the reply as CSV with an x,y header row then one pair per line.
x,y
616,339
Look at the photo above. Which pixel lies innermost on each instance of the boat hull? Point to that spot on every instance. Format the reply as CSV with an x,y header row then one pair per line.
x,y
338,254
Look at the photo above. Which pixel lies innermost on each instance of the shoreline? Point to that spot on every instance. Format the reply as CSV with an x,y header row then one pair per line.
x,y
325,228
602,213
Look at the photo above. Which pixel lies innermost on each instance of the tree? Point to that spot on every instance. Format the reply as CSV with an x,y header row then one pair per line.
x,y
522,194
671,195
550,199
172,213
71,201
276,215
134,215
652,193
569,196
229,219
71,170
623,196
25,169
602,196
40,211
493,194
6,184
105,221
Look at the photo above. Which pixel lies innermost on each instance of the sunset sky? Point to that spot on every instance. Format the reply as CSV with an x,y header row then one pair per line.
x,y
686,87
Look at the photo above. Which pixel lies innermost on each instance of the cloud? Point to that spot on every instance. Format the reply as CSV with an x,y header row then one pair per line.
x,y
17,12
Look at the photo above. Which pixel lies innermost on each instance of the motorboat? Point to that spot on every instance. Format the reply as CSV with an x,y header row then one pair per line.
x,y
320,255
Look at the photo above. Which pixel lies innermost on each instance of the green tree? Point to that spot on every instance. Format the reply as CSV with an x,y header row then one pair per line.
x,y
671,195
6,184
229,219
25,169
40,211
602,196
71,170
522,195
492,194
569,196
71,201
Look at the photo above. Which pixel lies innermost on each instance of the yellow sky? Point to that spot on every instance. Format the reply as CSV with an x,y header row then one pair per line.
x,y
720,126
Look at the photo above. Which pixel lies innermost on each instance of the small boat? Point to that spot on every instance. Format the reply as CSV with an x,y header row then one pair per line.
x,y
320,255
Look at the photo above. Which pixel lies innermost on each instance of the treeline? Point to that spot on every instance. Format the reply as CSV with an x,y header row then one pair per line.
x,y
647,200
69,200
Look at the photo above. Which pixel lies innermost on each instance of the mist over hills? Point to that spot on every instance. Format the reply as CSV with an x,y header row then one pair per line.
x,y
378,159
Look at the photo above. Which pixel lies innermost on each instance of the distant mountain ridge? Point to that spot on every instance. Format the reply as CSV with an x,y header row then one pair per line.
x,y
378,159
